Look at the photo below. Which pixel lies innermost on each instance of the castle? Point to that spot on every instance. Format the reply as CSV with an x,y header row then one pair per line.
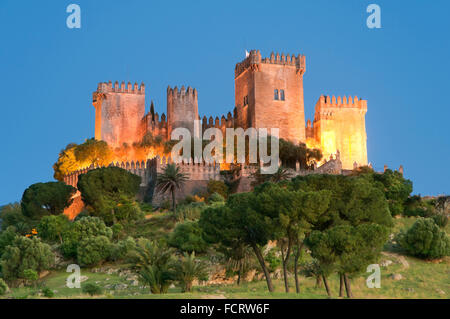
x,y
268,94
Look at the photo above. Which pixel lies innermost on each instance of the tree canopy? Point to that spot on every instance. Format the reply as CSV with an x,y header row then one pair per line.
x,y
50,198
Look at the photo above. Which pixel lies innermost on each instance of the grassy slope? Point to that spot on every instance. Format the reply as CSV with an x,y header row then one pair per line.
x,y
421,279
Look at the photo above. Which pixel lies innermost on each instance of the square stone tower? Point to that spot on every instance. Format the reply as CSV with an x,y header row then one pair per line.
x,y
269,94
118,113
339,125
182,109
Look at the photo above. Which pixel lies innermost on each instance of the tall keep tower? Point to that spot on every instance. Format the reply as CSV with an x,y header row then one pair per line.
x,y
339,125
269,94
182,109
118,112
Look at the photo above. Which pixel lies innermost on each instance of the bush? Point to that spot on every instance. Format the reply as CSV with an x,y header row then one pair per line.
x,y
92,289
109,193
83,228
25,253
117,230
189,212
166,205
425,240
215,198
93,250
47,292
187,237
217,187
440,220
6,238
11,215
128,210
3,287
31,276
121,250
273,261
51,227
416,206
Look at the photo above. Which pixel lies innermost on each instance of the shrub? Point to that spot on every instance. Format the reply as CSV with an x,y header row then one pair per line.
x,y
128,210
122,249
187,237
217,187
51,227
273,260
117,230
425,240
106,190
165,205
11,215
189,212
47,292
416,206
83,228
440,220
30,276
25,253
92,289
3,287
93,250
6,238
215,198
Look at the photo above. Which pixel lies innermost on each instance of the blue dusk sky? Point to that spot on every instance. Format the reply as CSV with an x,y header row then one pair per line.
x,y
48,71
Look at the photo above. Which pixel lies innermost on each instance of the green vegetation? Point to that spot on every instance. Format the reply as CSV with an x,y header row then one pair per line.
x,y
3,287
187,237
109,193
25,254
92,289
75,157
43,199
317,233
170,180
425,240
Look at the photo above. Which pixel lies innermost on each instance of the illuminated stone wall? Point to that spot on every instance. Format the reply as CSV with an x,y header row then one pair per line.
x,y
256,80
339,124
119,113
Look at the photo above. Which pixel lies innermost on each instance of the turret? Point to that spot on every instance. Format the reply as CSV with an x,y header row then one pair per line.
x,y
119,110
182,108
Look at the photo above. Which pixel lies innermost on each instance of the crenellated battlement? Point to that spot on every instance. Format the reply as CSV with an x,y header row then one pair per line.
x,y
327,107
355,102
108,87
222,123
254,58
182,93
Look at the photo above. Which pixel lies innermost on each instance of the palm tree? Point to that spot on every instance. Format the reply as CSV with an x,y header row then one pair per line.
x,y
188,269
280,175
155,265
170,180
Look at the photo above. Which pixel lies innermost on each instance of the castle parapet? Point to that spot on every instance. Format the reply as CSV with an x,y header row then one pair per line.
x,y
254,58
331,102
182,93
108,87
